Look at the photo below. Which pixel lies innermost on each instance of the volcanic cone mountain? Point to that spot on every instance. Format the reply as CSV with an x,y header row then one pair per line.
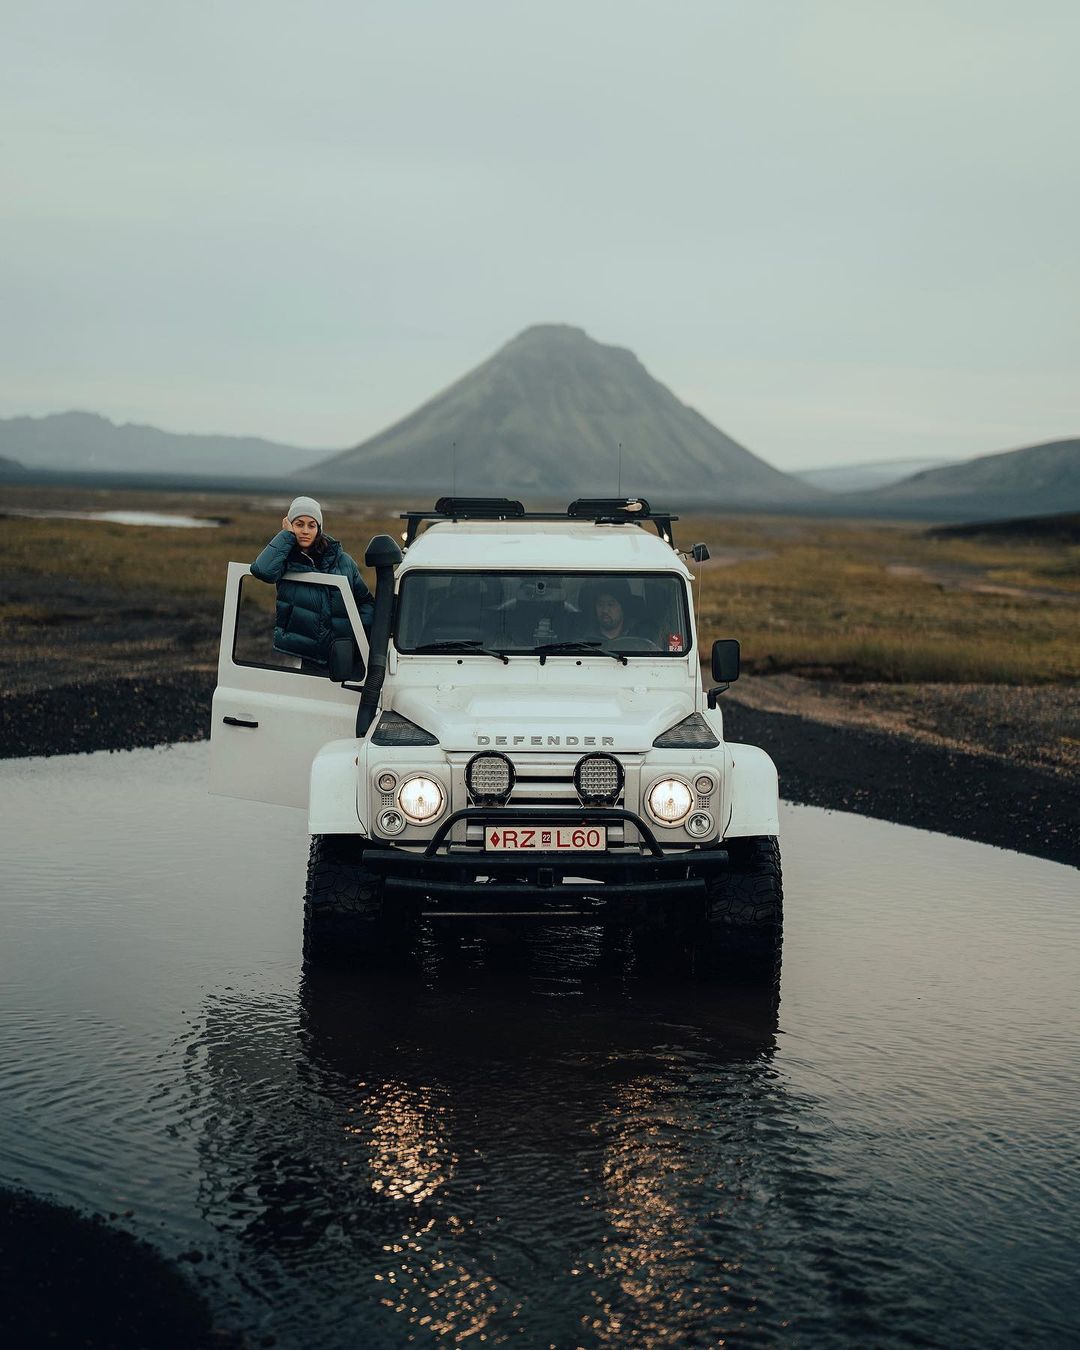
x,y
544,417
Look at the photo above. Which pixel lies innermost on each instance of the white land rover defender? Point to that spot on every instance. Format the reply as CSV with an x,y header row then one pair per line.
x,y
525,736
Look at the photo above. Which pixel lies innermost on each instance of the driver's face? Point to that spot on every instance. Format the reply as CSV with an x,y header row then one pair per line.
x,y
609,613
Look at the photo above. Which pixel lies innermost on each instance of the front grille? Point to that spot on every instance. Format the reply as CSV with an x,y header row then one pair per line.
x,y
545,784
543,779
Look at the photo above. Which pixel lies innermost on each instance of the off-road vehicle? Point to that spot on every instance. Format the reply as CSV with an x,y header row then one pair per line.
x,y
508,746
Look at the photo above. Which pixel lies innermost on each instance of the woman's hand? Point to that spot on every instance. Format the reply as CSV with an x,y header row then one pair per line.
x,y
286,524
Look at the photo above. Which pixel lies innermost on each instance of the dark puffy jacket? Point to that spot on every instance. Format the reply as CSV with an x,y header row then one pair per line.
x,y
309,617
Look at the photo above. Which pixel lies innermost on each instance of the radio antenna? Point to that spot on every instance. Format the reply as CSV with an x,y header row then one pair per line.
x,y
618,490
453,467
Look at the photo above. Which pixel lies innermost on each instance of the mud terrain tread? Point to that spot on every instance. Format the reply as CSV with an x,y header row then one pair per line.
x,y
743,930
748,895
343,902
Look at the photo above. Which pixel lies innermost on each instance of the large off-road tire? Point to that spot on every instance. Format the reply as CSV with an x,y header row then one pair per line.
x,y
344,919
744,909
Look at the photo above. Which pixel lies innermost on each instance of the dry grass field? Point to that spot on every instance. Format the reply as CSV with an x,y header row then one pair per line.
x,y
886,602
973,641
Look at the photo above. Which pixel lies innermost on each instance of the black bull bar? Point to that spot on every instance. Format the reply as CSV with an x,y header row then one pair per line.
x,y
546,880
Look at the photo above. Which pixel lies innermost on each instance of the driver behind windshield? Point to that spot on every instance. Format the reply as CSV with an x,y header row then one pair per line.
x,y
521,613
607,606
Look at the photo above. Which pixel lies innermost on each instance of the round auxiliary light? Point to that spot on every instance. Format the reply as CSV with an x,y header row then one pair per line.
x,y
489,778
703,784
421,799
598,780
669,801
390,821
699,825
386,781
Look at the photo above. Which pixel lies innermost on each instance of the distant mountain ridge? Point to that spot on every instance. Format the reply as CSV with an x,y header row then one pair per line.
x,y
1033,480
866,475
87,442
544,417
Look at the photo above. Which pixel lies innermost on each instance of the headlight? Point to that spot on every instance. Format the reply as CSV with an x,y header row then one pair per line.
x,y
421,799
669,801
391,821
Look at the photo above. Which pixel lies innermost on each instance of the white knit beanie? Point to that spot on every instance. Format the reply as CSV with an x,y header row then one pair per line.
x,y
305,506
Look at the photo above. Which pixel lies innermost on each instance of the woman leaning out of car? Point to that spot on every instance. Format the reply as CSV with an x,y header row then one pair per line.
x,y
309,618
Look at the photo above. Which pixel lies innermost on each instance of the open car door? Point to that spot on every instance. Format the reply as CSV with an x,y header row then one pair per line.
x,y
270,718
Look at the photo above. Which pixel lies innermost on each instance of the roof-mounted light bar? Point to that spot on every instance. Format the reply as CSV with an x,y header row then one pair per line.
x,y
622,511
636,508
486,508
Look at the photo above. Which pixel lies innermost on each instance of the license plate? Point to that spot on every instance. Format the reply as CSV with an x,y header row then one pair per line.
x,y
545,838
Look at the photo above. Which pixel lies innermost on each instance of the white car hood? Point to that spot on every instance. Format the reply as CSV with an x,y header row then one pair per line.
x,y
517,719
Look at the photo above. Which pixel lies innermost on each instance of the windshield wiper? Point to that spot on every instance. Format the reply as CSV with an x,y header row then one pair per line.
x,y
469,645
559,648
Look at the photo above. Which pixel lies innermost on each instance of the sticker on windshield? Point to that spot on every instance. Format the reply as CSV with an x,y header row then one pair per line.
x,y
674,642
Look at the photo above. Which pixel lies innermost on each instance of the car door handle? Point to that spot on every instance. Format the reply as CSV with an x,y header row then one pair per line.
x,y
238,722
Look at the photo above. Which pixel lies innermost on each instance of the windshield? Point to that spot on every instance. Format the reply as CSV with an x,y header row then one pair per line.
x,y
528,612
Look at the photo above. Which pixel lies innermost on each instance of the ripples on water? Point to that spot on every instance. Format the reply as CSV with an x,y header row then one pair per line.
x,y
526,1139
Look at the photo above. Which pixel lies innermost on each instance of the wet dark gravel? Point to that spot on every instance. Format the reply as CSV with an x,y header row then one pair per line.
x,y
892,777
68,1280
887,776
113,714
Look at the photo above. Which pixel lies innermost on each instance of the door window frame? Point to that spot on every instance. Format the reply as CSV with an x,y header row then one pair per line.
x,y
235,584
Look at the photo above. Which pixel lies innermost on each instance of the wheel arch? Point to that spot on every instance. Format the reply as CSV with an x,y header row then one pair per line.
x,y
333,802
755,793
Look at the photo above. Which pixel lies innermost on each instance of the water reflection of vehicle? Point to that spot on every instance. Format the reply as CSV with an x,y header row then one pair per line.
x,y
520,1142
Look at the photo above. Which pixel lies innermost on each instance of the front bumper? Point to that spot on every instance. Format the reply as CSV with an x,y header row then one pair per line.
x,y
464,880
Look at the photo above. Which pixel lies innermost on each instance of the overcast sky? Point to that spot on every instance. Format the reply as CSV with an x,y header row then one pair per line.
x,y
841,229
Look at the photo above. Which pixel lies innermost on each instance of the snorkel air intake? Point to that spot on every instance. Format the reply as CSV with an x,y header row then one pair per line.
x,y
383,555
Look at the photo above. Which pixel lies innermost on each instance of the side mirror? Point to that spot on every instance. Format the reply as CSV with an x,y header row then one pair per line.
x,y
700,553
725,661
345,662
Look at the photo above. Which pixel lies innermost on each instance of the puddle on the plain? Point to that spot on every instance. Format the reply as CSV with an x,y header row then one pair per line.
x,y
529,1141
163,518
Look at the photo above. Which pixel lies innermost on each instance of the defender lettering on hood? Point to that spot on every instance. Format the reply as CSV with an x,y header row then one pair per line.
x,y
560,741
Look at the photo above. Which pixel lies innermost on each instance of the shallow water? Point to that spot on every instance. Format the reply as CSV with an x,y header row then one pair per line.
x,y
166,518
531,1140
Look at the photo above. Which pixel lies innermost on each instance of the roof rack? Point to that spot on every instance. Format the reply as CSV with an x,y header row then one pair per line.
x,y
602,510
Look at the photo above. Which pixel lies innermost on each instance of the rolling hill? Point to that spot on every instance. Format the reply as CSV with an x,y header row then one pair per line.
x,y
544,417
1034,480
84,442
866,475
